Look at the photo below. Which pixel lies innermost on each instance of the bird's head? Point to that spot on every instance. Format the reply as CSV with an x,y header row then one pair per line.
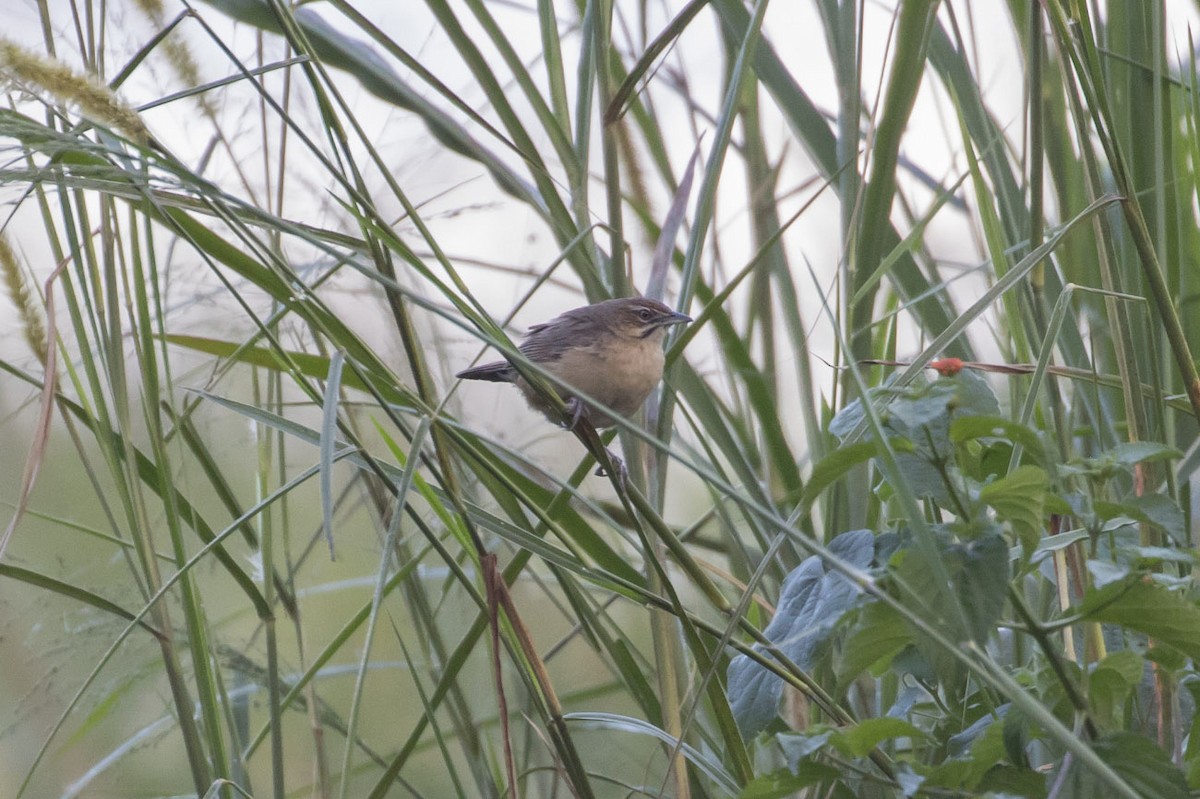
x,y
639,317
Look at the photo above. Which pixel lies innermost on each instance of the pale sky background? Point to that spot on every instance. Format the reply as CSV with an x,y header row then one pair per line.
x,y
468,214
470,217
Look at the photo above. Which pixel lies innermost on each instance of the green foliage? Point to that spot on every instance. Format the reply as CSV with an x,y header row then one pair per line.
x,y
987,529
1137,603
1142,764
827,575
811,601
1019,498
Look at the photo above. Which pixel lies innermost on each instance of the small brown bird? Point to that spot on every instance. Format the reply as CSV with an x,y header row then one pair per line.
x,y
610,351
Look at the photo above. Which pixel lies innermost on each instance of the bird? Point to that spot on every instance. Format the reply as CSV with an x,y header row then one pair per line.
x,y
610,351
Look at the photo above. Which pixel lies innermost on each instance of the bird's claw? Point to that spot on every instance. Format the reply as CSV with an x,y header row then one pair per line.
x,y
622,473
578,412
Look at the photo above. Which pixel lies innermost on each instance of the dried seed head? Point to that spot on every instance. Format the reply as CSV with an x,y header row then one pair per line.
x,y
33,322
96,101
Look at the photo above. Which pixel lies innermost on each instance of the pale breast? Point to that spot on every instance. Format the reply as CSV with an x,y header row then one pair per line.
x,y
619,377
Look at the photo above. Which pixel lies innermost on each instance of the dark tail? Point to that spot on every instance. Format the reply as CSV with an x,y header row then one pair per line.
x,y
495,372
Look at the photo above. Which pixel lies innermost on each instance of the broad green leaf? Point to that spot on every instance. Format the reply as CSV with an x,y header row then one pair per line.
x,y
1111,682
1125,663
1154,556
837,463
1016,734
975,751
1055,543
811,602
1145,766
979,571
969,428
1004,780
1170,659
1105,573
1131,453
1163,512
1018,499
1158,510
1191,755
783,783
1107,690
869,733
1138,603
982,583
877,635
798,746
922,413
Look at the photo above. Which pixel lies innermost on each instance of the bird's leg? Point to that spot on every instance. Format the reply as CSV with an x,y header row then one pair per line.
x,y
618,466
588,434
577,410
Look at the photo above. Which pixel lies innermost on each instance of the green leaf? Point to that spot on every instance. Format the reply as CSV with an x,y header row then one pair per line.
x,y
781,783
1018,498
1163,512
315,366
966,428
1105,573
1132,453
979,574
1016,733
1054,543
966,770
74,592
1127,663
1139,761
798,746
811,602
877,636
1191,755
922,414
837,463
1004,780
1169,658
1155,556
1110,684
1155,509
1138,603
1106,695
866,735
982,583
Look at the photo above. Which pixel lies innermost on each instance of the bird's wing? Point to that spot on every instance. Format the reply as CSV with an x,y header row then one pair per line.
x,y
549,340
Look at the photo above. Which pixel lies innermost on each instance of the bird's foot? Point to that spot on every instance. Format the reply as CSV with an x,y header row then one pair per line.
x,y
578,412
622,473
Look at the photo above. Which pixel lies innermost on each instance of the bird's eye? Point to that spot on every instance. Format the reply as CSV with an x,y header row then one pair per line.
x,y
645,314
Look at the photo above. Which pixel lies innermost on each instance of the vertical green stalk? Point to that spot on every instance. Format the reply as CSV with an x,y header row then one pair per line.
x,y
93,305
146,324
910,44
267,525
1081,49
606,55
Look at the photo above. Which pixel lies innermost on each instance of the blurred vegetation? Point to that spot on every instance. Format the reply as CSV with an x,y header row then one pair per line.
x,y
895,526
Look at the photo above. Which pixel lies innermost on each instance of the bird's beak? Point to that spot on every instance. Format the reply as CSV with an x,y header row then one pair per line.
x,y
676,319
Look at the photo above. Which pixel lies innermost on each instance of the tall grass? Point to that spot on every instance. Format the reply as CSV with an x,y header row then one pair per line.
x,y
249,244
